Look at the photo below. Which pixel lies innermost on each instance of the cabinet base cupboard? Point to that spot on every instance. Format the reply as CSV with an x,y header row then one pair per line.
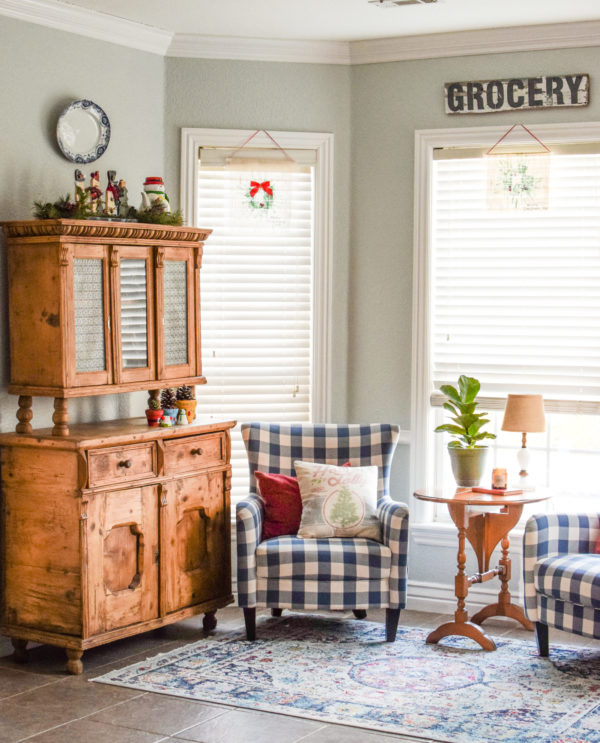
x,y
115,529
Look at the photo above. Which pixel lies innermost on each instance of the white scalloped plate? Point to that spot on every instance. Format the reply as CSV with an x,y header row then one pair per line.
x,y
83,131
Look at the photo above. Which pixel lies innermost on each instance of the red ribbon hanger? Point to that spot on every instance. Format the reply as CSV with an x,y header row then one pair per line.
x,y
255,187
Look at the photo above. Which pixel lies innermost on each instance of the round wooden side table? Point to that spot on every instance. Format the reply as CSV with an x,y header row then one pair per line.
x,y
483,531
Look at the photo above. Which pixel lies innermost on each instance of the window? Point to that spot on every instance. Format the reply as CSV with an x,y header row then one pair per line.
x,y
512,297
264,311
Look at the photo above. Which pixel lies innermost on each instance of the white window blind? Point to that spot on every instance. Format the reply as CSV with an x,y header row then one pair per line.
x,y
515,294
256,285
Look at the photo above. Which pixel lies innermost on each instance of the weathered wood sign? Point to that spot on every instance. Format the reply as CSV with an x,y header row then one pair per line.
x,y
516,94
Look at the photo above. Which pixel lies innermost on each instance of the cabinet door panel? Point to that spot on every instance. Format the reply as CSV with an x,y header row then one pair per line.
x,y
89,352
176,305
121,547
133,312
195,541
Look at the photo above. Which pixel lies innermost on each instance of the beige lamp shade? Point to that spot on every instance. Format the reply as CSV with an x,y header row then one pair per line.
x,y
524,413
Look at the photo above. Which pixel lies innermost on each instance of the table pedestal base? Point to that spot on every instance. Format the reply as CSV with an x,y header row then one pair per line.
x,y
502,610
466,629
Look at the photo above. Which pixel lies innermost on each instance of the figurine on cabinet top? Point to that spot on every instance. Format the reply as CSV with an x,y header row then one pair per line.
x,y
123,208
95,193
154,193
79,181
112,195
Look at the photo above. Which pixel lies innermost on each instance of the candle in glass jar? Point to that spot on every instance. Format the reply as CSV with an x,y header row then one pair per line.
x,y
499,479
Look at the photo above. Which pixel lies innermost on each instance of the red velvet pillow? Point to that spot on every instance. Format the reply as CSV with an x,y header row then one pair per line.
x,y
283,504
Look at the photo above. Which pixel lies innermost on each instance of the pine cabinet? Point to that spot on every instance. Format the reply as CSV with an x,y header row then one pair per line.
x,y
99,307
113,530
108,528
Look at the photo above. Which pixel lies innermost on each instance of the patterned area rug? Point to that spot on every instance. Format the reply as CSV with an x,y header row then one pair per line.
x,y
342,671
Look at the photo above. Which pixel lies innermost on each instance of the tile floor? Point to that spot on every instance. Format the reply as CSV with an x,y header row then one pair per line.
x,y
40,703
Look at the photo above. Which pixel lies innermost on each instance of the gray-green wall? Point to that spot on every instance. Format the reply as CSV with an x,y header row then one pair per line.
x,y
43,70
286,97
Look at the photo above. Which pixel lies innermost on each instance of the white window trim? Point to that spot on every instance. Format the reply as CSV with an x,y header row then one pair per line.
x,y
322,143
426,140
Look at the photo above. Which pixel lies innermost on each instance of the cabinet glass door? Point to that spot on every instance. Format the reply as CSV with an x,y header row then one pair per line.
x,y
176,299
134,346
90,350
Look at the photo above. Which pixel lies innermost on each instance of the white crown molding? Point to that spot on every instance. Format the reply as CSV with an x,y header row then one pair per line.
x,y
90,23
263,50
486,41
96,25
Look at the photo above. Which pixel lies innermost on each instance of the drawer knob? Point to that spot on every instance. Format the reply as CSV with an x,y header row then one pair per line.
x,y
125,463
197,451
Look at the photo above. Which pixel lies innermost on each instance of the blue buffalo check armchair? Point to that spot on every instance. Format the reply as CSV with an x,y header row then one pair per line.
x,y
562,574
338,573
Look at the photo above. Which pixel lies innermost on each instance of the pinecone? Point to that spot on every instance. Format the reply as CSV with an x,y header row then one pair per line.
x,y
185,392
168,399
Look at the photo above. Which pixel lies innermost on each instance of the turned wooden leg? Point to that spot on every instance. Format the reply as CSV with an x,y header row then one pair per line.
x,y
74,664
276,612
392,616
60,417
24,414
250,621
20,650
461,626
541,635
209,621
360,613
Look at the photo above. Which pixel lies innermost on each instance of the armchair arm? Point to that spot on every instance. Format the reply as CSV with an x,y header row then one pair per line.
x,y
554,534
249,515
393,517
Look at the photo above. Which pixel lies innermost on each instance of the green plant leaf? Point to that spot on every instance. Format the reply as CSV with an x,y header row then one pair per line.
x,y
469,387
449,428
451,392
454,444
474,427
466,421
451,407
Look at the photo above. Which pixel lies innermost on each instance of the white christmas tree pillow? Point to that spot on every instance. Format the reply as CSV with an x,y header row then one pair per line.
x,y
337,501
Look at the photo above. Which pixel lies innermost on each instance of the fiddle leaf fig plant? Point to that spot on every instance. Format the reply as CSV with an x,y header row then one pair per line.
x,y
467,423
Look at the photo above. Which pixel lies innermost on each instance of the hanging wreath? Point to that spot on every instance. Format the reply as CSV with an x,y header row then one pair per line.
x,y
260,195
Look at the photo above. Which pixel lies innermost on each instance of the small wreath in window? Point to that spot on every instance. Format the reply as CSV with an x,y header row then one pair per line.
x,y
260,195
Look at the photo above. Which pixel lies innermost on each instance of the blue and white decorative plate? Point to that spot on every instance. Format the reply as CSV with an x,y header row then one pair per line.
x,y
83,131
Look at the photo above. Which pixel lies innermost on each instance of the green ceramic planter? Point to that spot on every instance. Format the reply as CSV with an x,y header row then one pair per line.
x,y
468,465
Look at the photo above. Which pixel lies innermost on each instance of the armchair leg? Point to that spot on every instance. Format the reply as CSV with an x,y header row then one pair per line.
x,y
392,617
359,613
541,635
250,621
276,612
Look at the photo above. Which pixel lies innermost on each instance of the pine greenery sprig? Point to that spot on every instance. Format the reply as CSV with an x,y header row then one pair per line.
x,y
154,404
64,208
157,215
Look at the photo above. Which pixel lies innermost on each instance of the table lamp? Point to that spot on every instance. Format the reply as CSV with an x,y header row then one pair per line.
x,y
524,413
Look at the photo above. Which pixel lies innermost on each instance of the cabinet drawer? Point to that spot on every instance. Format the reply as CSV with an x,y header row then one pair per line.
x,y
194,453
121,464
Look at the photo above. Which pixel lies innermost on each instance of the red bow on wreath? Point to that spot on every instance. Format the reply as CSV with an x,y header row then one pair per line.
x,y
255,187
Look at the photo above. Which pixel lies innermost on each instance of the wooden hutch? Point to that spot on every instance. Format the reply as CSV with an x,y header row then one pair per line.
x,y
110,528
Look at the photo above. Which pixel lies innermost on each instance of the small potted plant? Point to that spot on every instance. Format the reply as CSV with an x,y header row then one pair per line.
x,y
467,455
168,400
154,412
186,401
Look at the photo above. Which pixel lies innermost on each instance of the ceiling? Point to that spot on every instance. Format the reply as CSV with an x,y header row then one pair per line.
x,y
338,20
